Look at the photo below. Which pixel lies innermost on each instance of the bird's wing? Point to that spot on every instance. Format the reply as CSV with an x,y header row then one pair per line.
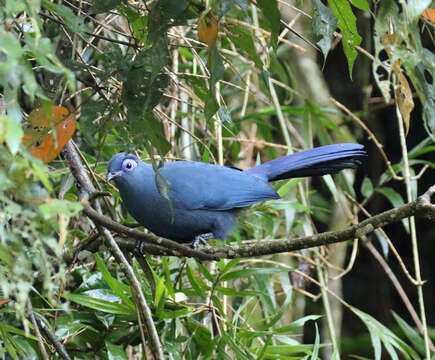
x,y
196,185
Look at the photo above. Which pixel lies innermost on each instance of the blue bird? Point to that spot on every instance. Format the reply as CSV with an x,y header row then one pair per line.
x,y
203,199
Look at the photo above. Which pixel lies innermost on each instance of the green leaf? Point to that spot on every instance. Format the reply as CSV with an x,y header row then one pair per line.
x,y
217,69
14,330
226,5
197,284
160,291
210,107
14,133
201,336
288,185
272,17
115,352
25,348
361,4
329,181
166,314
68,326
204,271
394,197
380,334
316,344
297,324
285,204
118,287
347,24
367,187
12,51
388,11
13,7
228,266
324,25
425,90
411,334
167,275
7,341
100,305
41,172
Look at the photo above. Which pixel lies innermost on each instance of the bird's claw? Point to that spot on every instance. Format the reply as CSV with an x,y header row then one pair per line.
x,y
138,249
201,239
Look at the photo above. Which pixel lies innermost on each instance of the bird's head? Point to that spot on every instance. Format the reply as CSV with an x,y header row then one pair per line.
x,y
121,166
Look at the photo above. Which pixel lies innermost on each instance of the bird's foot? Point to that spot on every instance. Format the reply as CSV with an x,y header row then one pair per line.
x,y
138,249
201,239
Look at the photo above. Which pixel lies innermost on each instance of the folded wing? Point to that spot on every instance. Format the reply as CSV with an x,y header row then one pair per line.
x,y
195,185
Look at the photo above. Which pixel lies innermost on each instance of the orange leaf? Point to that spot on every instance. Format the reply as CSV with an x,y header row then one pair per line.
x,y
40,139
41,118
208,30
4,301
429,14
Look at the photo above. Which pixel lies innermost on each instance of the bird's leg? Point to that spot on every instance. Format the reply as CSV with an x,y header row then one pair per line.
x,y
202,238
138,249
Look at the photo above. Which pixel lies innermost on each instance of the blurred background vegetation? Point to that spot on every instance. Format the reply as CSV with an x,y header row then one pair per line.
x,y
235,83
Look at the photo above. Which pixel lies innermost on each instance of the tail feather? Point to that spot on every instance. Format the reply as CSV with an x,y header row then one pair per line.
x,y
328,159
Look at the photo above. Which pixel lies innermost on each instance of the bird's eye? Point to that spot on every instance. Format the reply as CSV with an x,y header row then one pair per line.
x,y
128,164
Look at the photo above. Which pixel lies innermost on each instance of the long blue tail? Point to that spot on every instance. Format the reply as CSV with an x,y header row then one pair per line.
x,y
322,160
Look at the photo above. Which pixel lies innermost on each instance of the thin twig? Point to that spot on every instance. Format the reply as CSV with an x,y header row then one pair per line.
x,y
51,337
351,261
371,136
387,238
38,335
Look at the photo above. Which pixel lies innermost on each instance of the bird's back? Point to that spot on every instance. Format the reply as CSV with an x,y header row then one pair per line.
x,y
197,185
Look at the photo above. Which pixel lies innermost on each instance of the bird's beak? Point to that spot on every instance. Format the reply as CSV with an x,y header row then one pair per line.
x,y
112,175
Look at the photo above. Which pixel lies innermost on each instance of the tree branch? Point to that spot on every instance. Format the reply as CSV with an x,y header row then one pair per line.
x,y
421,207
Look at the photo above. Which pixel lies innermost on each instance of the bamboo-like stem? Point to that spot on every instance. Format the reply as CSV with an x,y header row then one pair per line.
x,y
280,116
327,306
413,231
